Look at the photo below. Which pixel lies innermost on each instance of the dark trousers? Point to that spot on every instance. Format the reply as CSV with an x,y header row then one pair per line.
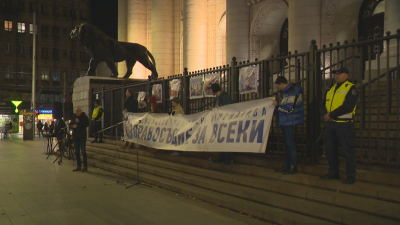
x,y
96,128
40,131
80,145
289,142
340,134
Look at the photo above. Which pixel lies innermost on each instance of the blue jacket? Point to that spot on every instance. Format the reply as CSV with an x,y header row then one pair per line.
x,y
291,108
222,99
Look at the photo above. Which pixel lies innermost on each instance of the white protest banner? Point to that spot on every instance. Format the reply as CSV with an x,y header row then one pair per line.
x,y
240,127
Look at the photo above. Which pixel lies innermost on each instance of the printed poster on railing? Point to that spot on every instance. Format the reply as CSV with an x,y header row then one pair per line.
x,y
174,86
248,79
156,91
196,87
240,127
210,79
141,99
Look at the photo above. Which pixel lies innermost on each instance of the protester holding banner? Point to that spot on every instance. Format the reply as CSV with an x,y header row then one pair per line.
x,y
155,108
176,109
222,98
291,114
131,104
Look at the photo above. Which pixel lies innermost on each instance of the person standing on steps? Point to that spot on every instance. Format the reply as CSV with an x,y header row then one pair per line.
x,y
176,109
291,114
221,98
97,117
131,104
79,123
338,108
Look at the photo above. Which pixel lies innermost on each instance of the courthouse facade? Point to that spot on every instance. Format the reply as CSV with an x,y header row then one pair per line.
x,y
200,34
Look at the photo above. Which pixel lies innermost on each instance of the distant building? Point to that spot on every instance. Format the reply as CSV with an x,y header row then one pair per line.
x,y
58,56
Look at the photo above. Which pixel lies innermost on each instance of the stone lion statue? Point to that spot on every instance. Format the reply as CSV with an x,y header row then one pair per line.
x,y
103,48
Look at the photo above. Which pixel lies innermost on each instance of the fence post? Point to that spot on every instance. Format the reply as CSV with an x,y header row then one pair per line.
x,y
265,78
186,91
148,94
102,104
234,83
313,121
165,93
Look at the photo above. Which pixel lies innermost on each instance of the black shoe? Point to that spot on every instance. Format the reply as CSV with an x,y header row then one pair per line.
x,y
329,176
291,170
349,180
282,169
94,141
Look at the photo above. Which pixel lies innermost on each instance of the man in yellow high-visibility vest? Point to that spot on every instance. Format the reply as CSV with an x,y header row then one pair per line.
x,y
97,116
338,108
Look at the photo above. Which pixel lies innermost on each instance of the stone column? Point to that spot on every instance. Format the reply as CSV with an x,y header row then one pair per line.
x,y
137,32
162,29
195,34
304,24
237,30
122,28
392,24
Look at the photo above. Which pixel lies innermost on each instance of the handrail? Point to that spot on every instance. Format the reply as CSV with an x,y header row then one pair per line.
x,y
378,77
341,62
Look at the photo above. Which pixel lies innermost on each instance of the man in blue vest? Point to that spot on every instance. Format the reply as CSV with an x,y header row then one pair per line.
x,y
338,108
97,116
291,114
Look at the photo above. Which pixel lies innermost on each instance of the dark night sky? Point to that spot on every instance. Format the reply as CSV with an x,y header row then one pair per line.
x,y
105,16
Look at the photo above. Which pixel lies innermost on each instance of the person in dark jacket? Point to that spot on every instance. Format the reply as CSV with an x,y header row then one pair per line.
x,y
221,98
40,127
46,127
51,128
291,114
131,104
79,124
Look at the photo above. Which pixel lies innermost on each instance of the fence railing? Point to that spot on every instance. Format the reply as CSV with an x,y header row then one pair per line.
x,y
377,116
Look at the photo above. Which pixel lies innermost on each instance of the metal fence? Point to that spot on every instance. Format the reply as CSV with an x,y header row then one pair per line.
x,y
374,70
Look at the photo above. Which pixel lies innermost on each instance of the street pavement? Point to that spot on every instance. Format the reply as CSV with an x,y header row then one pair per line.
x,y
34,190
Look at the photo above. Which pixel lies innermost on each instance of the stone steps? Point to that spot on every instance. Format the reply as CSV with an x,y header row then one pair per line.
x,y
261,211
262,185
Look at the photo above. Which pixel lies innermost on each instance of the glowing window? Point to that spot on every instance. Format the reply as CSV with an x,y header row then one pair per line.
x,y
7,25
21,27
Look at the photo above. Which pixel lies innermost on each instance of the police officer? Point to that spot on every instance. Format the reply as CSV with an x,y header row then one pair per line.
x,y
338,108
97,116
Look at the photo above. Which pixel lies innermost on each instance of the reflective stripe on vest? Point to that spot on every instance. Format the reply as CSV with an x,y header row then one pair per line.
x,y
336,99
96,112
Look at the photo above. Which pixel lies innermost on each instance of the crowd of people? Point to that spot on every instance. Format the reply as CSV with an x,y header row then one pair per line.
x,y
337,106
6,130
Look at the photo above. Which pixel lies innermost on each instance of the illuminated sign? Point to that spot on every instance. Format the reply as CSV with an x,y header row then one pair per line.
x,y
44,111
16,103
